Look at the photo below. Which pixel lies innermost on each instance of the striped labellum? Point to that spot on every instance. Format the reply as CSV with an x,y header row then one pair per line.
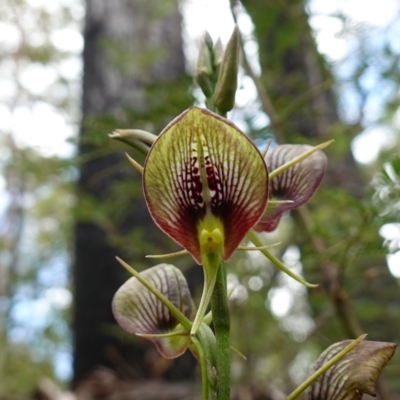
x,y
205,183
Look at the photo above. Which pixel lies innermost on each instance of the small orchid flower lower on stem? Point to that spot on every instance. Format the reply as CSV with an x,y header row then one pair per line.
x,y
140,307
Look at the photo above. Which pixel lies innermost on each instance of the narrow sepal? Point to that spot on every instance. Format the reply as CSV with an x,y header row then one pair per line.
x,y
133,135
137,166
353,375
233,187
297,184
138,311
252,236
136,138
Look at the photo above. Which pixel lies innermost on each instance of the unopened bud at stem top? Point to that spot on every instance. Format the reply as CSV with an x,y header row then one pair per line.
x,y
204,68
224,95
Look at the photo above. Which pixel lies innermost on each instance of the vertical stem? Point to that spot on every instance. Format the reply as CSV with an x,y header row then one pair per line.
x,y
210,267
203,366
206,340
221,321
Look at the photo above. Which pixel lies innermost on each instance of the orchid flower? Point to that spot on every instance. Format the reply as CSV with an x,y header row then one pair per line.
x,y
139,311
295,185
156,304
206,186
205,183
354,374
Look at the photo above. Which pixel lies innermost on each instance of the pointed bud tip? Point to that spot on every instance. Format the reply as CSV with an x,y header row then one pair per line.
x,y
204,69
218,53
137,166
225,91
208,39
325,144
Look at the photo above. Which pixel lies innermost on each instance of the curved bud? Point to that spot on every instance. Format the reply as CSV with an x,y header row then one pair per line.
x,y
354,375
205,183
138,139
296,184
204,69
225,91
139,312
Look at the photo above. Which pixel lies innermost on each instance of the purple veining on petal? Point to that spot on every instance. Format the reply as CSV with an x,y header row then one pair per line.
x,y
297,183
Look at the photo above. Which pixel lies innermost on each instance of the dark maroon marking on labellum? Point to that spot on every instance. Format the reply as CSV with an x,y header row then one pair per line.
x,y
214,182
195,185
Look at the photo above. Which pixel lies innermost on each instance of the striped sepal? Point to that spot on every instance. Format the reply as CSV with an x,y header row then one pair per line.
x,y
138,311
298,183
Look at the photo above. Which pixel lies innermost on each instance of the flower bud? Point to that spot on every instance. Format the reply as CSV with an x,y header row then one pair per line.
x,y
224,95
208,40
218,51
136,138
204,68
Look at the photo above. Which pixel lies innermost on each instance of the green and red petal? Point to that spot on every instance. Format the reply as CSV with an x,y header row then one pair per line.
x,y
233,187
297,184
138,311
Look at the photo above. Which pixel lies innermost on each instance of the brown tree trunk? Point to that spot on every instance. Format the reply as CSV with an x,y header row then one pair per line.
x,y
298,80
130,45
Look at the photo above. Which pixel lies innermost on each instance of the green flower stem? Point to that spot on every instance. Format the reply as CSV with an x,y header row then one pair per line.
x,y
309,381
252,236
210,267
221,321
206,351
221,113
203,367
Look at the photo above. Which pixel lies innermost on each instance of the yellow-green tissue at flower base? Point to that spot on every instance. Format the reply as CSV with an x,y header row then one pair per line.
x,y
205,183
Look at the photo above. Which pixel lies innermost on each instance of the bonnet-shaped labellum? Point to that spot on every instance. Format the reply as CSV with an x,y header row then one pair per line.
x,y
354,375
205,183
140,312
296,184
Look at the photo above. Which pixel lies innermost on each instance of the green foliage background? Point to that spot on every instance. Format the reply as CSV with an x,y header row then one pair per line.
x,y
279,348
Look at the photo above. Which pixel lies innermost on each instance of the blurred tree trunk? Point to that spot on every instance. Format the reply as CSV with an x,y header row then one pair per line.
x,y
130,46
297,79
300,87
